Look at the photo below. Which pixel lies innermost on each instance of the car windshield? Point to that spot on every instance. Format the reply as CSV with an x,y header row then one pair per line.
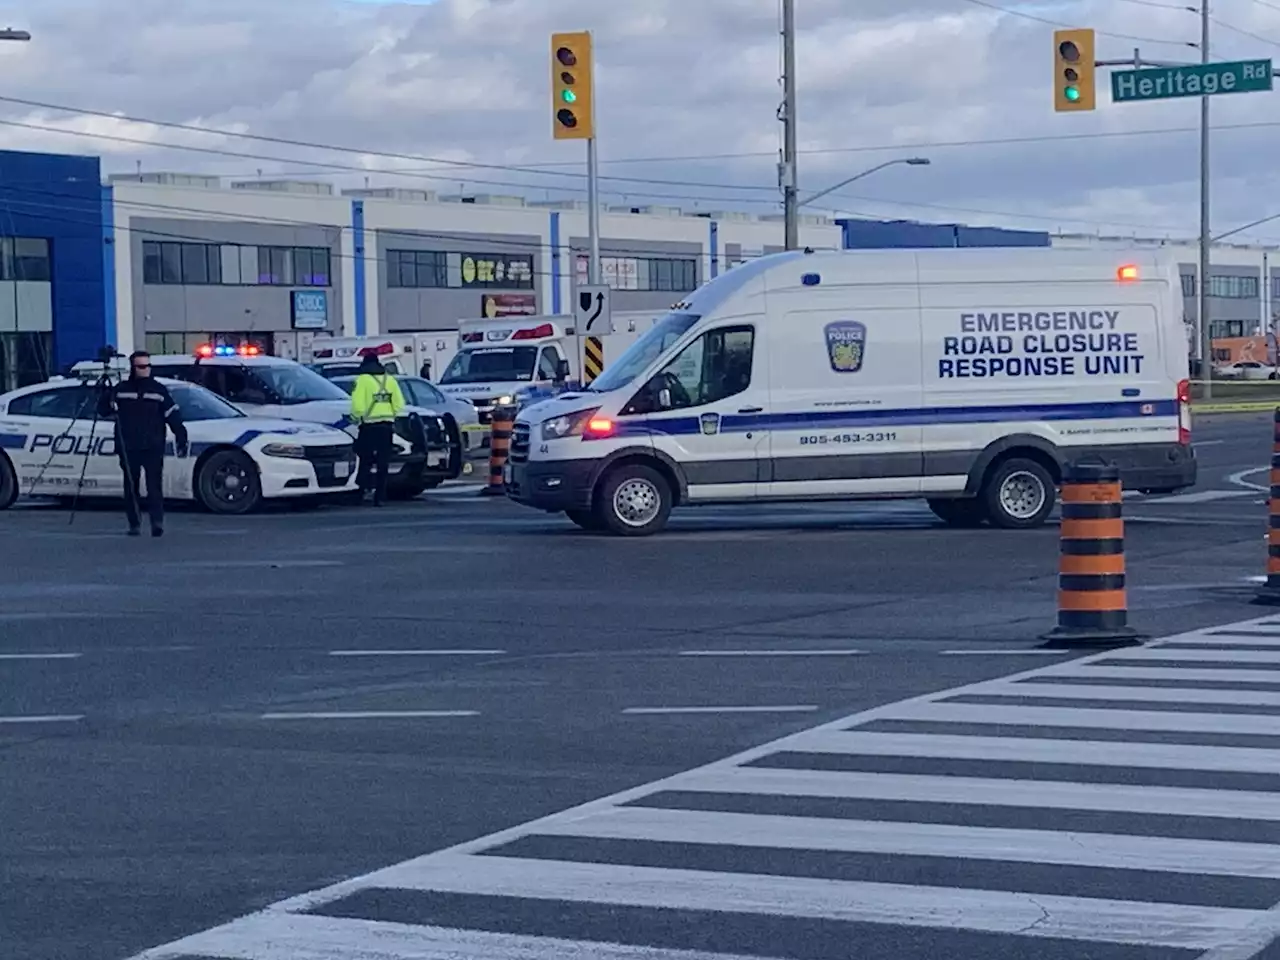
x,y
637,358
294,383
346,384
491,365
197,403
331,371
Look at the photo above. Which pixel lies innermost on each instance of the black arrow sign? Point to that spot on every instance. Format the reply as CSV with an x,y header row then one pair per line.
x,y
584,300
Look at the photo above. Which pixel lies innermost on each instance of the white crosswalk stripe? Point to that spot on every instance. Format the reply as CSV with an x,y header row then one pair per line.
x,y
1097,803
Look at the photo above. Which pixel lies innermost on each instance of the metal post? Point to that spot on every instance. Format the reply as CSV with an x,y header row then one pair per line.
x,y
1202,273
593,215
790,192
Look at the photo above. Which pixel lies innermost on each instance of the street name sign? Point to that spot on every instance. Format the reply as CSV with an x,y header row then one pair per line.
x,y
1198,80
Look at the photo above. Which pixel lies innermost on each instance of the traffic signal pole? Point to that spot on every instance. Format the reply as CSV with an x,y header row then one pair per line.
x,y
787,176
593,214
1202,271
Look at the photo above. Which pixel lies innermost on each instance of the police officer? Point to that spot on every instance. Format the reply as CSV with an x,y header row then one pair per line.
x,y
143,407
376,401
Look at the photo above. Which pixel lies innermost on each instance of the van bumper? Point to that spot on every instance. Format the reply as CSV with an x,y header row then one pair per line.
x,y
552,485
1149,467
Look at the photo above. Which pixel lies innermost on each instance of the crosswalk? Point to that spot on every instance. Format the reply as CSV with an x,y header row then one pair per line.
x,y
1123,805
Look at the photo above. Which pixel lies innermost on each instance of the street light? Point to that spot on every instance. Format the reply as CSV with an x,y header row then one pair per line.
x,y
909,161
10,34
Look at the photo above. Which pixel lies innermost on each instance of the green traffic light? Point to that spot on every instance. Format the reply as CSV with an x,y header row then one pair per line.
x,y
1072,94
568,96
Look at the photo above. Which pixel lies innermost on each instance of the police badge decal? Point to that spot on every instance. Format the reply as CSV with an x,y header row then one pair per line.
x,y
846,345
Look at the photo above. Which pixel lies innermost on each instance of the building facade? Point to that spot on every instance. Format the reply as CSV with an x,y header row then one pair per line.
x,y
171,261
53,251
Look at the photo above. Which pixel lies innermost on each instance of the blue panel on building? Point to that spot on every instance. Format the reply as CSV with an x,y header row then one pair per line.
x,y
60,199
909,234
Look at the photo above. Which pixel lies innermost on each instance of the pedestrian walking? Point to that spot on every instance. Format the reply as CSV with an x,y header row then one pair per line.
x,y
143,408
376,401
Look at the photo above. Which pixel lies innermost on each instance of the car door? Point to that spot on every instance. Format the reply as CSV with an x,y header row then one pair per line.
x,y
708,411
66,446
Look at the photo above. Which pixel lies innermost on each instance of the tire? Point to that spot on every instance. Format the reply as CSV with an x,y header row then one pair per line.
x,y
1018,494
228,483
408,491
586,519
8,483
633,500
966,512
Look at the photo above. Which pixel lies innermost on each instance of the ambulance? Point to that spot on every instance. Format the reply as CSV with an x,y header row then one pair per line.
x,y
404,354
965,377
505,361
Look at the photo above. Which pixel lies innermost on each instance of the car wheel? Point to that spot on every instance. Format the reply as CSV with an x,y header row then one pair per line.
x,y
586,519
8,483
1019,494
228,483
633,500
407,491
966,512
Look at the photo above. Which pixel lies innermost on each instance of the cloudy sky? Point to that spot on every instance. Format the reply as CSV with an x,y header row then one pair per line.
x,y
410,93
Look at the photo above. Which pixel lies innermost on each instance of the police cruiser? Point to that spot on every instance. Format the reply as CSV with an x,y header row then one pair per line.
x,y
965,377
51,444
426,450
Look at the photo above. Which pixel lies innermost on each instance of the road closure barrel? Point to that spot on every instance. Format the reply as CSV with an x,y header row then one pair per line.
x,y
1092,598
504,422
1269,592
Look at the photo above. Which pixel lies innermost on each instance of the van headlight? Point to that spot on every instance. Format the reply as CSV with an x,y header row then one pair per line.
x,y
569,425
295,451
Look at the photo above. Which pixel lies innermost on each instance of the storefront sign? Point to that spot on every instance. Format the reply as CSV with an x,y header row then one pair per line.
x,y
508,305
310,309
500,270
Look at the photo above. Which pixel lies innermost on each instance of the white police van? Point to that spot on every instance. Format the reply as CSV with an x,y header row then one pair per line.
x,y
53,444
966,377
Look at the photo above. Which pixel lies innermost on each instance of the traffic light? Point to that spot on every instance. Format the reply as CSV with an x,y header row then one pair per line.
x,y
572,102
1073,71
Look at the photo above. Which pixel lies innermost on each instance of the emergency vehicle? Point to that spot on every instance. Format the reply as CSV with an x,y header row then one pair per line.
x,y
505,361
426,451
400,353
53,444
966,377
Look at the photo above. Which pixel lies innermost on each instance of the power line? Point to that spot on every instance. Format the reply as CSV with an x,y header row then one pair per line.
x,y
1058,23
1244,33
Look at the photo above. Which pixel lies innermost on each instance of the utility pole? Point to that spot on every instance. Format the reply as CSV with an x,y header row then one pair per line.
x,y
787,178
1202,272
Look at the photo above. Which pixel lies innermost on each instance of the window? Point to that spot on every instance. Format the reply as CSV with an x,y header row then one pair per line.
x,y
1226,328
196,403
416,269
491,365
212,263
31,259
60,404
1188,285
714,367
663,274
1233,288
548,361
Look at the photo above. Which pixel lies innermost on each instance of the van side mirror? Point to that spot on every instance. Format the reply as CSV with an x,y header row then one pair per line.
x,y
664,398
562,370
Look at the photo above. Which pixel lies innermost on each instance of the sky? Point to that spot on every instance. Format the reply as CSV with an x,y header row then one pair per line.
x,y
453,95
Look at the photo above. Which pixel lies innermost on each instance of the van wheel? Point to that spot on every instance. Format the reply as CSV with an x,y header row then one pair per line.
x,y
967,512
8,483
228,483
633,501
586,519
1018,494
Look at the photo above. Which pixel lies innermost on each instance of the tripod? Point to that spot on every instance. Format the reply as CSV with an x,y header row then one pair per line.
x,y
99,391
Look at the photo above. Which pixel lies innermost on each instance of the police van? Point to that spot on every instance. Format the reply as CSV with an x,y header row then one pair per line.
x,y
967,377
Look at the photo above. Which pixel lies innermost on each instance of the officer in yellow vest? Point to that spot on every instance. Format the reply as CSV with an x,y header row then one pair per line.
x,y
376,401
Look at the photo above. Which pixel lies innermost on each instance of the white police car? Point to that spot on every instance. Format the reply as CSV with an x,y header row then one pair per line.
x,y
51,444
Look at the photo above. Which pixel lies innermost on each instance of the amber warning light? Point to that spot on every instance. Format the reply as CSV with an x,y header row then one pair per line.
x,y
1127,273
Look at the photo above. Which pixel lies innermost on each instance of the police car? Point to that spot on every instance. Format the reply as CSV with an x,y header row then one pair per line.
x,y
968,378
52,444
426,451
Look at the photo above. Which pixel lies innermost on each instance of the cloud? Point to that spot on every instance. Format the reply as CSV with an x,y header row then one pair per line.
x,y
466,80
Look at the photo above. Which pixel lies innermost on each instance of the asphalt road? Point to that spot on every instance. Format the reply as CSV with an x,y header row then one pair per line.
x,y
250,709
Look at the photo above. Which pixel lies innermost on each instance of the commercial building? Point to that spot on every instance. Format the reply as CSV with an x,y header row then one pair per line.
x,y
168,261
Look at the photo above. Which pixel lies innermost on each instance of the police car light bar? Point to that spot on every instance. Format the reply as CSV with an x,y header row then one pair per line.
x,y
472,337
206,350
379,351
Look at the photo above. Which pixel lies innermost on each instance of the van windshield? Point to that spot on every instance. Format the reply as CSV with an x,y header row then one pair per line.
x,y
491,365
637,358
